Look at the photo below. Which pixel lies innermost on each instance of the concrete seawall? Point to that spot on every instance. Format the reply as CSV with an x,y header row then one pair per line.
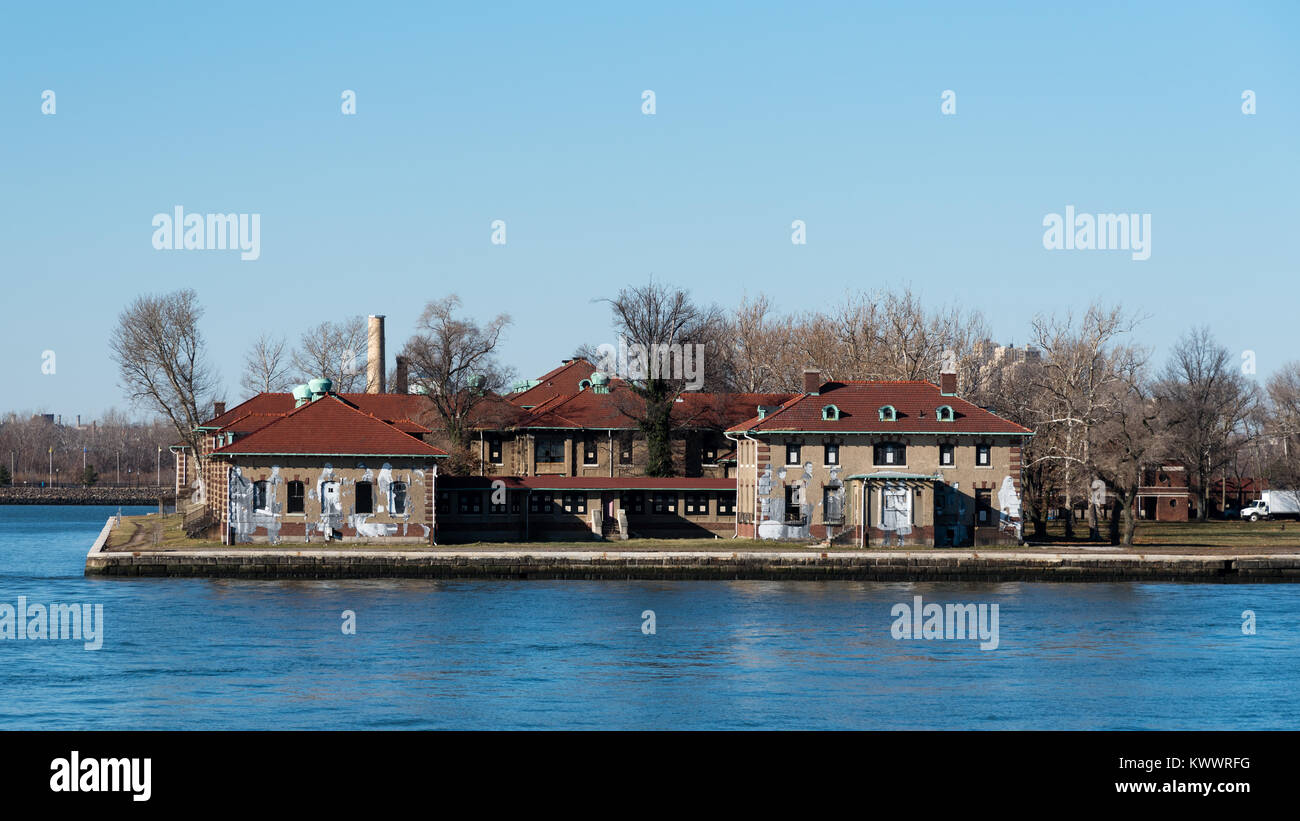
x,y
452,563
24,495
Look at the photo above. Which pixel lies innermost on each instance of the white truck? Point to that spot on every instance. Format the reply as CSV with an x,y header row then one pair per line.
x,y
1273,504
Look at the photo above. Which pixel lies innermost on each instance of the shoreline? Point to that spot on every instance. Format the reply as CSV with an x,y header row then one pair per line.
x,y
81,497
294,562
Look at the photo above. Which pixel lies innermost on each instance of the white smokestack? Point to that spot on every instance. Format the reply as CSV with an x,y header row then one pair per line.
x,y
375,355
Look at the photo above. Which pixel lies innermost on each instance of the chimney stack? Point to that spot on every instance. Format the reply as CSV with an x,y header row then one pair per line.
x,y
812,381
948,383
218,408
375,355
402,377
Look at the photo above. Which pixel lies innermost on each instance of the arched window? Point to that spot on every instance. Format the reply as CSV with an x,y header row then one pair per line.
x,y
888,414
830,413
944,413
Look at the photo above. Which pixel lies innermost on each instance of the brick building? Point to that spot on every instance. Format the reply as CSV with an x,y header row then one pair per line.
x,y
878,463
563,457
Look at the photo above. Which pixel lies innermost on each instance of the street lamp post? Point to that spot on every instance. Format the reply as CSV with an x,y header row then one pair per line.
x,y
158,468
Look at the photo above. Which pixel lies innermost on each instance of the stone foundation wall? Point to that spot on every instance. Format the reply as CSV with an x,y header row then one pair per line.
x,y
434,564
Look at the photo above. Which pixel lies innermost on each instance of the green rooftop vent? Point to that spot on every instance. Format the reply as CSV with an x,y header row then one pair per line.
x,y
319,387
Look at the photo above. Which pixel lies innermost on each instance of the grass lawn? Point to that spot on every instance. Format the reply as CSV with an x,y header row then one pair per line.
x,y
151,532
1212,533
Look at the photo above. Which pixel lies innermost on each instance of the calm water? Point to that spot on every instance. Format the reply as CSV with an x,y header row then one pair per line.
x,y
266,655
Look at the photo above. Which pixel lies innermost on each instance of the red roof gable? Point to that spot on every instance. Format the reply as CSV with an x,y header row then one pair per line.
x,y
274,403
859,403
330,426
622,407
562,381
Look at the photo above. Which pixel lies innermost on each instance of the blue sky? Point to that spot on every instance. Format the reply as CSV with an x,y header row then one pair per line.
x,y
766,113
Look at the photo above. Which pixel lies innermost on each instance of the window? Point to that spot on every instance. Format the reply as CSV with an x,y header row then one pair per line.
x,y
983,507
470,501
398,491
792,455
494,451
590,454
260,501
295,498
697,504
895,507
633,503
946,455
830,413
625,449
443,502
549,449
832,454
944,413
540,503
982,455
664,503
365,497
888,414
709,453
727,503
890,453
793,504
494,506
575,503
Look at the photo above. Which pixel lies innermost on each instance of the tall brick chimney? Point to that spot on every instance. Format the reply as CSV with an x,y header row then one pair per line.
x,y
402,377
218,408
375,355
812,381
948,383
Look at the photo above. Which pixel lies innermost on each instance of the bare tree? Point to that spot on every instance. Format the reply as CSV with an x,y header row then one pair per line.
x,y
657,317
1083,366
757,347
1135,438
161,360
454,362
1277,444
333,350
1208,401
266,366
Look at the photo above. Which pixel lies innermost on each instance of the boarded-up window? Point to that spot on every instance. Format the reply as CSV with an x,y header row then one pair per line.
x,y
398,489
365,497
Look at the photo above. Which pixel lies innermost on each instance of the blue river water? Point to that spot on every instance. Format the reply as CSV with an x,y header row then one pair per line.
x,y
228,654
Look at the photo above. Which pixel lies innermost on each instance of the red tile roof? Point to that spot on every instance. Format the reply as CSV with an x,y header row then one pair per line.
x,y
859,405
251,422
562,381
621,408
261,403
330,426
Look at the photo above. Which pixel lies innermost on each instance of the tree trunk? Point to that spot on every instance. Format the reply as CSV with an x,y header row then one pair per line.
x,y
1116,511
1130,521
